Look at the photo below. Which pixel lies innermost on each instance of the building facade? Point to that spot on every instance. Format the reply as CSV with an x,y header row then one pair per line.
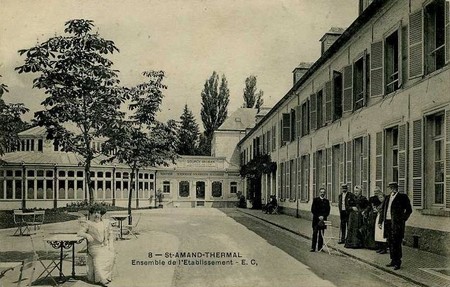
x,y
374,108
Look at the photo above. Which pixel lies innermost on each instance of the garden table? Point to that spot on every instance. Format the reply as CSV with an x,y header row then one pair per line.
x,y
119,218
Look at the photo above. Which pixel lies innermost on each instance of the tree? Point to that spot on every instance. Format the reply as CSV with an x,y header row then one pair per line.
x,y
82,89
252,99
10,122
214,109
187,133
142,141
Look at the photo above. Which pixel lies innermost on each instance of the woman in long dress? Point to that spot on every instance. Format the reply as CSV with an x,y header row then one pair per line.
x,y
101,255
355,220
380,240
370,222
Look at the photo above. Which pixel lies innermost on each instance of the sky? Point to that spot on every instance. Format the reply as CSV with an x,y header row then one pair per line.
x,y
188,39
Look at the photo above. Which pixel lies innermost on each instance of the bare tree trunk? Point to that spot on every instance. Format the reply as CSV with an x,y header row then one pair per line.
x,y
130,194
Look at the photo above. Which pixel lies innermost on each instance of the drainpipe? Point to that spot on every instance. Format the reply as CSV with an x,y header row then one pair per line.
x,y
55,191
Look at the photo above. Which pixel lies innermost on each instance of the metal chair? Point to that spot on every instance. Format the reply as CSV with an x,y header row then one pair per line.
x,y
38,220
131,228
48,259
27,264
327,239
20,223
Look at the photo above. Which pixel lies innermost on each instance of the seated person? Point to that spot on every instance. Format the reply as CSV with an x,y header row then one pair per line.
x,y
272,204
101,257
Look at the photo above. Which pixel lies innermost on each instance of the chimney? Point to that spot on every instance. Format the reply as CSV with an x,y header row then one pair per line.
x,y
301,69
330,37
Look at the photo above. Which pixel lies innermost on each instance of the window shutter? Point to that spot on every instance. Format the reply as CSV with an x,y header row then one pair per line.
x,y
286,128
366,166
299,178
293,179
274,137
347,85
348,168
323,183
280,132
308,163
365,72
287,179
417,164
280,174
314,173
328,103
447,31
399,56
415,44
402,158
447,158
376,69
342,165
329,173
298,124
379,160
313,111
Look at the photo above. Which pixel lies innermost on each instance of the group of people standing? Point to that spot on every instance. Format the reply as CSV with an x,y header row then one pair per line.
x,y
376,223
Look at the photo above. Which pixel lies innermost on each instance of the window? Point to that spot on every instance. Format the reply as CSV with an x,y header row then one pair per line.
x,y
233,187
183,188
166,186
391,155
40,145
337,170
274,138
434,33
359,83
216,189
391,62
305,118
292,123
61,173
79,174
434,157
304,191
358,162
286,129
319,109
337,95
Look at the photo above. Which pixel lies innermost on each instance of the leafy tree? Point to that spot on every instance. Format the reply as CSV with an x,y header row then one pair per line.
x,y
252,99
10,122
141,141
187,133
214,109
82,89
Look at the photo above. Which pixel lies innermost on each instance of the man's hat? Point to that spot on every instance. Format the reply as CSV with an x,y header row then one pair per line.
x,y
344,186
393,184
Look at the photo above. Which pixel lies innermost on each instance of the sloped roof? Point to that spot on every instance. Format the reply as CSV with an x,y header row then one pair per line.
x,y
240,120
55,157
34,132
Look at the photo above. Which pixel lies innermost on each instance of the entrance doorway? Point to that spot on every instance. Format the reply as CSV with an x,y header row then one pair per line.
x,y
200,189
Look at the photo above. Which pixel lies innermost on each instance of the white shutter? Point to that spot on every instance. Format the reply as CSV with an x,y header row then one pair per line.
x,y
417,164
328,103
329,173
379,161
298,123
308,163
347,85
314,173
313,112
348,168
299,178
366,165
376,69
415,48
402,158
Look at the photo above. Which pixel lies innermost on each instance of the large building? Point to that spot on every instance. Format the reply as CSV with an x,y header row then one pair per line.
x,y
37,174
374,108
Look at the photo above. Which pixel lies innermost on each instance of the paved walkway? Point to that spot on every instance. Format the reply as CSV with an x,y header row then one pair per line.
x,y
419,267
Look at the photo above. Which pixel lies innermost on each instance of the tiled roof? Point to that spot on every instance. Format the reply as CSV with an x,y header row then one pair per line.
x,y
241,119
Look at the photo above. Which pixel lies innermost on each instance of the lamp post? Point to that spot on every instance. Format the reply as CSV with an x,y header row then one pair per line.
x,y
24,201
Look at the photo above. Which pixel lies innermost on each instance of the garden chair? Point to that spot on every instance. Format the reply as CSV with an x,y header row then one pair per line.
x,y
20,223
327,236
132,228
27,264
38,220
49,259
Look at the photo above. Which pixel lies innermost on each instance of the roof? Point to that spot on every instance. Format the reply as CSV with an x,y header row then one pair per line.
x,y
304,65
365,16
34,131
240,120
333,31
48,158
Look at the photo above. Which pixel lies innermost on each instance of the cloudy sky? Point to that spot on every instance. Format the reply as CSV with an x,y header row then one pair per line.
x,y
188,39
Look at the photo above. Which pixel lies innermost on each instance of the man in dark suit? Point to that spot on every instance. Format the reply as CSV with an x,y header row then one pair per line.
x,y
344,204
320,209
396,210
